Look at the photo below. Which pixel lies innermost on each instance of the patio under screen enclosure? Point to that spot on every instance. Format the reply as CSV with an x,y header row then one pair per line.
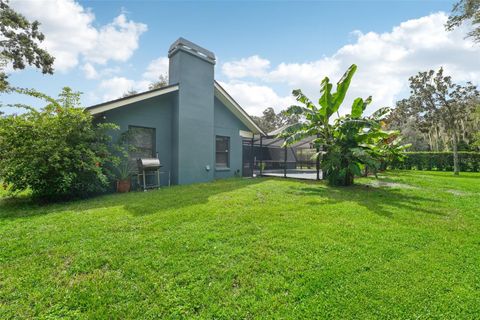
x,y
265,156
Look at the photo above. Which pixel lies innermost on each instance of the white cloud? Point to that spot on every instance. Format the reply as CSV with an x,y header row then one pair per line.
x,y
310,73
90,71
156,68
255,98
115,87
253,66
116,41
385,62
93,73
70,34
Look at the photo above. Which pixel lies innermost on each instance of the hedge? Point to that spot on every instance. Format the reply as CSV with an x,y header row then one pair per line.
x,y
441,161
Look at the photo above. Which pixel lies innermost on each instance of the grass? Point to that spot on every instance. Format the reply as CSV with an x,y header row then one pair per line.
x,y
405,247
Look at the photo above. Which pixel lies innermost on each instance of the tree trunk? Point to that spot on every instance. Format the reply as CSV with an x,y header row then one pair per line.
x,y
348,179
456,168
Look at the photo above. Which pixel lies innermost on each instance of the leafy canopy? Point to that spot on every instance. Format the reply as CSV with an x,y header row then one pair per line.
x,y
270,120
161,82
57,152
19,44
466,10
444,109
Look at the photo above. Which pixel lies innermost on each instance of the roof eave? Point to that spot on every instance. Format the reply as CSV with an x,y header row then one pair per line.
x,y
117,103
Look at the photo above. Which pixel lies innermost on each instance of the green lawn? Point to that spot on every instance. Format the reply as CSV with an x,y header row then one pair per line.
x,y
406,246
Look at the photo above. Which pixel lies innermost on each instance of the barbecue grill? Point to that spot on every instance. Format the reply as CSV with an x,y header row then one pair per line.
x,y
149,167
148,164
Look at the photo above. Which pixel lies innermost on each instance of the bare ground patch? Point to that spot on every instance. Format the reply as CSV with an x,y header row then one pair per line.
x,y
389,184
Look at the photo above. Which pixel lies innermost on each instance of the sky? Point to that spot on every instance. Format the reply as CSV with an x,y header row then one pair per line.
x,y
264,49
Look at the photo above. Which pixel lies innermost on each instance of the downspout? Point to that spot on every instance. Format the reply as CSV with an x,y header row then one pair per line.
x,y
252,161
318,160
261,155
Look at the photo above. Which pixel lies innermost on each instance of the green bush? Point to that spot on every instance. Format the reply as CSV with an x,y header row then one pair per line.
x,y
441,161
56,152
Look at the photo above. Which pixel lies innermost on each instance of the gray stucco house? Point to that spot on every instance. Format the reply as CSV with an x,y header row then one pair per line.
x,y
197,129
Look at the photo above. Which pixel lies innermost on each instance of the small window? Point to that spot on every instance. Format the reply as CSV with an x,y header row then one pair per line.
x,y
222,149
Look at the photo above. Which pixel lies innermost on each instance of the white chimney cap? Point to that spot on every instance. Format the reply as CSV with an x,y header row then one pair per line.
x,y
192,48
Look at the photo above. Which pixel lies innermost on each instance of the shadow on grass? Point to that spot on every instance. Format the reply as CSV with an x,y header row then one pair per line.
x,y
136,203
379,200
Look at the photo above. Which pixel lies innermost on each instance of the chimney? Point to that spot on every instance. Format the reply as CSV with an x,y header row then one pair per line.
x,y
192,68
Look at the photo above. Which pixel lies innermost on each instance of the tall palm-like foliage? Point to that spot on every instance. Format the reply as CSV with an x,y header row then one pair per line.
x,y
348,143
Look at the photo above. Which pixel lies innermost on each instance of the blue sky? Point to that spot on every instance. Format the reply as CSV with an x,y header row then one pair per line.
x,y
264,49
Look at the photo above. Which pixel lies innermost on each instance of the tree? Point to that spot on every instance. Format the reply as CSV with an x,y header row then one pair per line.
x,y
417,127
285,119
271,121
444,106
19,44
268,121
476,120
425,131
352,141
466,10
160,83
410,125
57,152
129,93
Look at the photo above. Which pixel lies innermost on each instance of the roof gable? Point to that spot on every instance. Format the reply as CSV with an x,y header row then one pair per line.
x,y
109,105
220,93
236,109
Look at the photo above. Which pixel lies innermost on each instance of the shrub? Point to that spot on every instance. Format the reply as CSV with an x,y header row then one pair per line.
x,y
57,152
441,161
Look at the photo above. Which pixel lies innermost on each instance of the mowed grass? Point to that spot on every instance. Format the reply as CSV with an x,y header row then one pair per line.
x,y
404,247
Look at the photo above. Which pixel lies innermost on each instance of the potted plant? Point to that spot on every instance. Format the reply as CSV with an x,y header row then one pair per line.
x,y
123,176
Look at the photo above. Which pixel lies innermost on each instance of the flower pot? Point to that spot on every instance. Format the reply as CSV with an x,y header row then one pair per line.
x,y
123,186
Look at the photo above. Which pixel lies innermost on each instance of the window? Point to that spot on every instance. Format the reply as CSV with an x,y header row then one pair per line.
x,y
141,142
222,149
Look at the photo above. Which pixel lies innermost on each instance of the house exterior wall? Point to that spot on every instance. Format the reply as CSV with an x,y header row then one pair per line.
x,y
161,113
227,124
152,113
186,120
193,123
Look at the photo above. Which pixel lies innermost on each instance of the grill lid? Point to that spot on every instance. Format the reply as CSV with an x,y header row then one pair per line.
x,y
148,163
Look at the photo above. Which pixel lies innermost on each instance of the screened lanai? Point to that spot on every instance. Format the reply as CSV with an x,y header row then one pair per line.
x,y
270,158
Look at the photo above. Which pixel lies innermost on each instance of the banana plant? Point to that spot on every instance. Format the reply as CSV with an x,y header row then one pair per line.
x,y
349,142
